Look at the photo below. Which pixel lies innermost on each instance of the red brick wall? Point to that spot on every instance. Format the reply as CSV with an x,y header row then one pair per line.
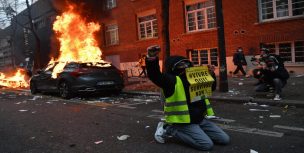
x,y
244,16
242,28
125,15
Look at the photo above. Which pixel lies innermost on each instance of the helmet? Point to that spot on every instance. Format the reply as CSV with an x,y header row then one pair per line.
x,y
177,64
266,50
153,48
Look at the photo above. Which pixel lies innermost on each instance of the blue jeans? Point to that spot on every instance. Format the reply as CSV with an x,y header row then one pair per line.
x,y
200,136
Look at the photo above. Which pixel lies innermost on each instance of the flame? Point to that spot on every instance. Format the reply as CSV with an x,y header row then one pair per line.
x,y
16,81
77,43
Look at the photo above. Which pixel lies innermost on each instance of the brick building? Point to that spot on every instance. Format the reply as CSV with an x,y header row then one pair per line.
x,y
131,25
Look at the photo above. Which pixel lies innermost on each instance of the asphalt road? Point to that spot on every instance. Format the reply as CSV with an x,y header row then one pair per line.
x,y
48,124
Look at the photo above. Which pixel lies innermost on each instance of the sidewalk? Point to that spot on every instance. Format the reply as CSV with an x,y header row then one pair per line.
x,y
241,90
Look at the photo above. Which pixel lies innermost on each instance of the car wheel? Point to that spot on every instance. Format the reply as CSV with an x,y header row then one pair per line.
x,y
33,88
64,90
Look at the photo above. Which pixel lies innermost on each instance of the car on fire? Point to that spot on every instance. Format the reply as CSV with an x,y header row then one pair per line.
x,y
78,78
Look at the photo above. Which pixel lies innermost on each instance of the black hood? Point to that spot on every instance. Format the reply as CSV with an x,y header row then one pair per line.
x,y
170,61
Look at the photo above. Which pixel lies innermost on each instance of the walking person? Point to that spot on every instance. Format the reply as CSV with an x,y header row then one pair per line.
x,y
184,118
239,61
142,64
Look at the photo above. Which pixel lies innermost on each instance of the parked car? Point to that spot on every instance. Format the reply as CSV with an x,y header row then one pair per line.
x,y
78,78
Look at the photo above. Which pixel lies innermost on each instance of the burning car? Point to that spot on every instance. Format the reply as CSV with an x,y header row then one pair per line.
x,y
19,79
78,78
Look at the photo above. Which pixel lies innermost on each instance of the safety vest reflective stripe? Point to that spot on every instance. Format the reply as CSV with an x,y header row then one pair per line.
x,y
179,103
176,108
177,113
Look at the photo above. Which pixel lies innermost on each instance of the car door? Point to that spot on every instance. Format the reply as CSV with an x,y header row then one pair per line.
x,y
45,80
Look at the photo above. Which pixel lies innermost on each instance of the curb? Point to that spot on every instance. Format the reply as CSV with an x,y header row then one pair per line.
x,y
134,92
233,99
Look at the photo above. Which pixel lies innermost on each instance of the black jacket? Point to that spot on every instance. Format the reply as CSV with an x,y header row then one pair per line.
x,y
167,82
239,59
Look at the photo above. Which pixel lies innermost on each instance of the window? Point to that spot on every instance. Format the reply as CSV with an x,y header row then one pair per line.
x,y
278,9
40,24
291,52
200,16
147,27
299,51
110,4
112,35
204,56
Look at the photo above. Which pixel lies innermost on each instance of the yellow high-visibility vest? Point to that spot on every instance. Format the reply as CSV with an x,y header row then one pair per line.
x,y
176,108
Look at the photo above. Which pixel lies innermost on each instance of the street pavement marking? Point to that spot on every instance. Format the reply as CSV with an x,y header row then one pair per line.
x,y
223,120
289,128
127,106
251,130
157,111
140,103
156,116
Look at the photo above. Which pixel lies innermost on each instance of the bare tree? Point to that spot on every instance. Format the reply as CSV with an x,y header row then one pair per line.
x,y
11,16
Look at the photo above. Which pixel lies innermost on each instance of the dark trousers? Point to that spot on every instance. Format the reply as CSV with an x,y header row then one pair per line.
x,y
143,72
239,67
277,83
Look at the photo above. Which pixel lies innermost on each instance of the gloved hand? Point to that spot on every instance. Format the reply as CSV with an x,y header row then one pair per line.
x,y
153,51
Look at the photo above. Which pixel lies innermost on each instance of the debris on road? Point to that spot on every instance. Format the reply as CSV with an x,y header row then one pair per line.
x,y
98,142
23,110
253,151
123,137
258,110
274,116
36,97
264,105
251,104
299,75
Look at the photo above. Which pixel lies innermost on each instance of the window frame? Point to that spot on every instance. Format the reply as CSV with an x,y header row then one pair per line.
x,y
199,58
113,4
293,56
145,27
275,12
108,36
205,13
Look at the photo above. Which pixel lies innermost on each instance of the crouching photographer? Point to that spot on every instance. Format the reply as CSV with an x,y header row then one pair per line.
x,y
271,72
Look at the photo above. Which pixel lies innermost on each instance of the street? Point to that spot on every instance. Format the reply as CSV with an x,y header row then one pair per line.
x,y
126,124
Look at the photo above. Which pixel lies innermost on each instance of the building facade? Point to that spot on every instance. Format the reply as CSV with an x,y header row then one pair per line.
x,y
22,47
130,26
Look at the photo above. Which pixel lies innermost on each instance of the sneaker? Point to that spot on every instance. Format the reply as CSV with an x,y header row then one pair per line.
x,y
277,97
159,133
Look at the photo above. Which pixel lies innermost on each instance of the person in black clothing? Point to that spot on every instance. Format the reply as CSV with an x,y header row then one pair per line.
x,y
198,132
274,73
239,60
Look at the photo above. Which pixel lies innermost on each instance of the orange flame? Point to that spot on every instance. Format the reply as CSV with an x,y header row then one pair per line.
x,y
76,39
16,81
